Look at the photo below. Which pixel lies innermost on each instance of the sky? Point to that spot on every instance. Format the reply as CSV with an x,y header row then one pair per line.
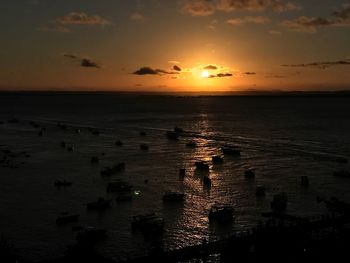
x,y
175,45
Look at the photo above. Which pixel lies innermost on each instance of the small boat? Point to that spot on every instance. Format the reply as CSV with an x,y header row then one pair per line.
x,y
260,191
142,133
182,171
304,181
217,159
91,235
249,174
231,151
40,133
95,132
178,130
63,144
172,135
77,131
148,223
202,166
64,219
70,149
59,183
124,196
221,213
118,143
173,197
108,171
100,204
279,202
94,160
342,173
144,147
119,186
13,120
191,144
206,181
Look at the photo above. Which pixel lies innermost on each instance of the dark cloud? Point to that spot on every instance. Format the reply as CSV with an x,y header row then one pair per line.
x,y
250,73
177,68
83,62
310,24
322,65
81,18
151,71
221,75
210,67
209,7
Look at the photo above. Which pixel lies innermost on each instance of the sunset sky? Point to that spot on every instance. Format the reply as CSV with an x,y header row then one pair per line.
x,y
171,45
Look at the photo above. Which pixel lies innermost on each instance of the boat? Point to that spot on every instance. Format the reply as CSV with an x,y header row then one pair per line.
x,y
202,166
172,135
94,160
95,132
144,147
178,130
221,213
173,197
182,171
217,159
231,151
342,173
100,204
148,223
142,133
108,171
118,186
124,196
249,174
191,144
64,219
206,181
91,235
304,181
279,202
260,191
59,183
119,143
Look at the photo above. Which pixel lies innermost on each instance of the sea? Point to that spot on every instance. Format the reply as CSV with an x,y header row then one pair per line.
x,y
281,137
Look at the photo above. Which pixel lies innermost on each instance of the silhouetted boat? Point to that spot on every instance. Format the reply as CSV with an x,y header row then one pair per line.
x,y
108,171
142,133
217,159
221,213
118,186
304,181
173,197
172,135
91,235
178,130
63,144
250,173
144,147
342,173
202,166
148,223
94,160
231,151
279,202
64,219
182,171
191,144
70,149
119,143
13,120
95,132
207,181
260,190
100,204
124,196
62,183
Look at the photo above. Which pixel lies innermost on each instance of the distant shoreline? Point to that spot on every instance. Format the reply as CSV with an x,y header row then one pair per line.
x,y
339,93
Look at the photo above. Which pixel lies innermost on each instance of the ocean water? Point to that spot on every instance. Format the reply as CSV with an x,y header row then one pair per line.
x,y
283,138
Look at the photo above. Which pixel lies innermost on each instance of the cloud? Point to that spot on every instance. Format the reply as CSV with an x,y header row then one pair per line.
x,y
198,7
81,18
275,32
249,73
54,28
340,17
210,67
177,68
321,65
209,7
248,19
220,75
151,71
83,62
136,16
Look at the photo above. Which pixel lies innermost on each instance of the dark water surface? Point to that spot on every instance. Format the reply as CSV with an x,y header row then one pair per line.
x,y
283,138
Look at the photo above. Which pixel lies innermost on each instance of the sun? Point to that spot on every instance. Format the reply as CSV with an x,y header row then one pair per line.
x,y
205,74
